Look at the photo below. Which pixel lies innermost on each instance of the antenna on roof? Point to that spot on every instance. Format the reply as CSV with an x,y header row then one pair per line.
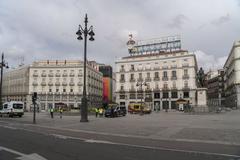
x,y
21,61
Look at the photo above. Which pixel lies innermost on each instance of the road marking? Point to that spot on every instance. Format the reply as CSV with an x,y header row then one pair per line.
x,y
149,147
23,156
124,144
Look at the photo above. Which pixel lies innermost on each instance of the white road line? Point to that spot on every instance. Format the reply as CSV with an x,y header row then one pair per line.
x,y
130,145
23,156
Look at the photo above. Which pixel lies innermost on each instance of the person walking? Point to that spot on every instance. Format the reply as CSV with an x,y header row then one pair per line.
x,y
96,111
100,112
51,112
61,112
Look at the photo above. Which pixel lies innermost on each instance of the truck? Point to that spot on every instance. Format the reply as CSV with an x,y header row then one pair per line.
x,y
138,108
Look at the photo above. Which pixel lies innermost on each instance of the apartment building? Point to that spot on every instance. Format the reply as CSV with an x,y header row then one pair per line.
x,y
232,77
167,76
57,83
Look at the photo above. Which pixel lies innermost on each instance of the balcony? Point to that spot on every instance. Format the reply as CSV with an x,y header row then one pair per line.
x,y
174,78
57,83
72,75
35,74
34,83
132,90
121,91
139,90
186,76
164,67
44,74
43,83
50,75
156,78
122,70
165,78
65,75
148,90
148,79
80,74
185,65
165,88
156,67
186,88
64,83
50,83
71,84
174,66
132,80
140,80
58,75
80,84
132,70
122,80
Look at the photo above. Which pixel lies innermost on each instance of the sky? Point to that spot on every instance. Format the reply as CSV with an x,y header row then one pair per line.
x,y
32,30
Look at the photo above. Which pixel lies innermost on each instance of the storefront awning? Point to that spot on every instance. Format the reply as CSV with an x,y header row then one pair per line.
x,y
181,101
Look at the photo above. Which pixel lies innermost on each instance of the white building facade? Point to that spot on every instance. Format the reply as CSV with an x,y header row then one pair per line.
x,y
57,83
232,77
168,76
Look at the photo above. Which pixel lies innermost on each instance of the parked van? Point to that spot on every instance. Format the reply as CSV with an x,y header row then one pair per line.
x,y
138,108
13,108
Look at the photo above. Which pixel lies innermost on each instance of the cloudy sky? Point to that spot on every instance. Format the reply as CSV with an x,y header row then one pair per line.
x,y
45,29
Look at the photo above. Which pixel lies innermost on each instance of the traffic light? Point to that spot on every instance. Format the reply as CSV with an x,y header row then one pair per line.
x,y
34,97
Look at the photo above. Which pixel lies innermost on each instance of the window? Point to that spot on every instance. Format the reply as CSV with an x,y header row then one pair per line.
x,y
140,75
132,96
165,95
156,74
64,90
122,97
185,94
71,90
174,95
132,76
185,71
50,90
122,87
132,67
165,85
148,75
122,77
174,74
57,90
156,95
186,84
165,74
174,84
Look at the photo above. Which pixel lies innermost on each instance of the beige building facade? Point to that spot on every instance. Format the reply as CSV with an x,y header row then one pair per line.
x,y
168,76
57,83
232,77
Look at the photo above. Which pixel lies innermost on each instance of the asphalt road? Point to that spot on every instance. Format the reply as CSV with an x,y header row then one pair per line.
x,y
30,144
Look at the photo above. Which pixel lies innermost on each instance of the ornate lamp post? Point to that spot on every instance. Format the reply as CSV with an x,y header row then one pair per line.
x,y
85,31
2,65
140,84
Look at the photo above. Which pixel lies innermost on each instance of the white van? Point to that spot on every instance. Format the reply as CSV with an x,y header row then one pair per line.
x,y
13,108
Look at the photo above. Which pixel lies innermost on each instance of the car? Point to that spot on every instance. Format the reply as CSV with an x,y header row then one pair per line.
x,y
116,111
12,108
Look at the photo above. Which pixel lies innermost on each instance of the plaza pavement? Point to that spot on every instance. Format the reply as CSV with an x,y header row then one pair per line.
x,y
222,128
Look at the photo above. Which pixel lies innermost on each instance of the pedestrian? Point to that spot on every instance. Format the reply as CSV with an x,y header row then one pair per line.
x,y
61,112
100,112
51,112
112,112
96,111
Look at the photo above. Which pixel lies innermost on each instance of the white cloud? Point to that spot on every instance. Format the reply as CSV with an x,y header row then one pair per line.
x,y
42,29
209,61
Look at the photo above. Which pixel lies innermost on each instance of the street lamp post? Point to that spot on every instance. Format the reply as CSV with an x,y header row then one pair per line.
x,y
2,65
85,31
140,84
